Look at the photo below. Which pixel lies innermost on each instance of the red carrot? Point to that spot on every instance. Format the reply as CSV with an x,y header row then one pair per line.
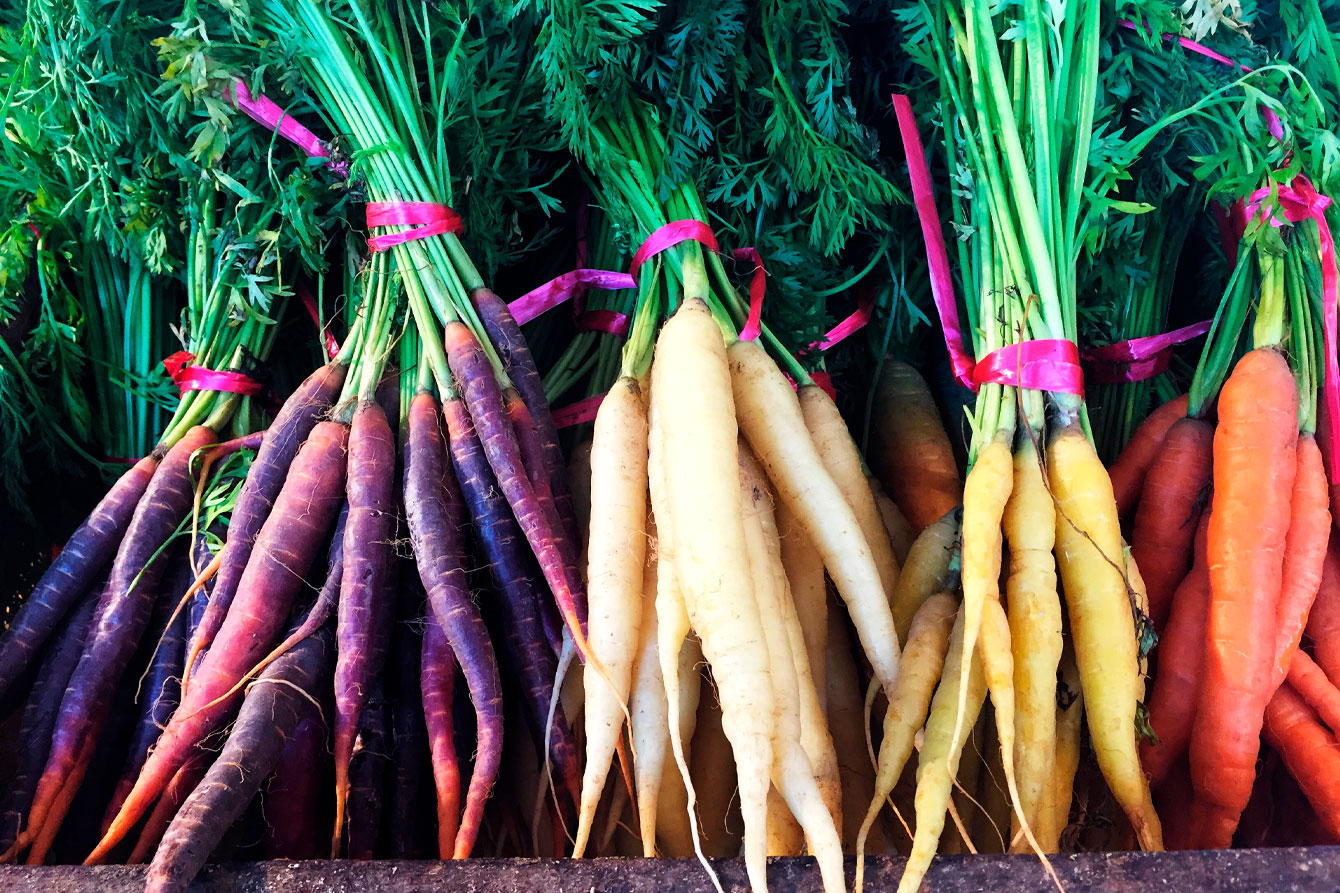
x,y
1310,683
1173,799
265,477
1310,752
1128,472
438,675
1304,553
474,374
1254,467
1323,622
85,556
285,547
1181,651
293,791
1176,489
118,624
272,710
436,514
366,607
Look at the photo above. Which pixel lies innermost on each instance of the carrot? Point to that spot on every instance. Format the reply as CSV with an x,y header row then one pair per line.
x,y
674,830
118,624
85,555
1176,489
941,751
1323,622
1309,750
156,825
435,507
1174,797
39,717
1311,684
912,454
1029,524
691,386
923,659
648,708
482,395
367,775
713,772
293,791
1254,468
438,686
926,570
1089,558
805,575
1129,470
1181,651
1304,554
274,706
408,836
289,540
847,721
1054,814
770,417
833,442
896,526
365,606
265,478
616,554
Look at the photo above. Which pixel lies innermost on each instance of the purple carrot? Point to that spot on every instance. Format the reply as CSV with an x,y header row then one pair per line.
x,y
273,708
117,627
159,690
294,790
367,774
366,608
437,522
511,345
438,687
84,558
510,559
289,541
39,717
296,419
406,830
473,372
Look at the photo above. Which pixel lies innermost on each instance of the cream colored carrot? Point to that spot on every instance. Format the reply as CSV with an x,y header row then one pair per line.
x,y
809,591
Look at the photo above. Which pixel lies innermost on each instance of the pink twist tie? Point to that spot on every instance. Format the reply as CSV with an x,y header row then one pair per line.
x,y
426,219
197,378
266,113
1139,358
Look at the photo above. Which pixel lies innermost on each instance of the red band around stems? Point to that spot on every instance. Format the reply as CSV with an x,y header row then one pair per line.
x,y
266,113
670,235
1139,359
565,288
576,413
426,219
1045,365
197,378
753,324
610,322
309,303
849,326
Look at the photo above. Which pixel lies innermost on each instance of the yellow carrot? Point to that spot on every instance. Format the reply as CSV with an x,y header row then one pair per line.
x,y
1055,811
900,531
926,570
1089,556
770,417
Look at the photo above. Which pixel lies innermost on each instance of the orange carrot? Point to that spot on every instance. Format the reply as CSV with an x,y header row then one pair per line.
x,y
1128,472
1181,651
1310,752
1254,465
912,455
1323,623
1174,493
1304,553
1311,684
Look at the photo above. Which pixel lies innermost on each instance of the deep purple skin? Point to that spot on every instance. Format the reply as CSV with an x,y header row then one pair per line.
x,y
159,692
272,711
368,771
85,557
437,693
407,833
39,718
437,523
510,560
293,790
265,477
511,345
473,373
118,625
366,604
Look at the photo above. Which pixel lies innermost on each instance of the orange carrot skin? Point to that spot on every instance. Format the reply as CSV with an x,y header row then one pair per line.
x,y
1173,799
1128,472
1323,622
1176,489
1254,467
84,557
1304,553
1310,683
438,685
1310,752
288,542
1324,441
119,622
912,456
1181,651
